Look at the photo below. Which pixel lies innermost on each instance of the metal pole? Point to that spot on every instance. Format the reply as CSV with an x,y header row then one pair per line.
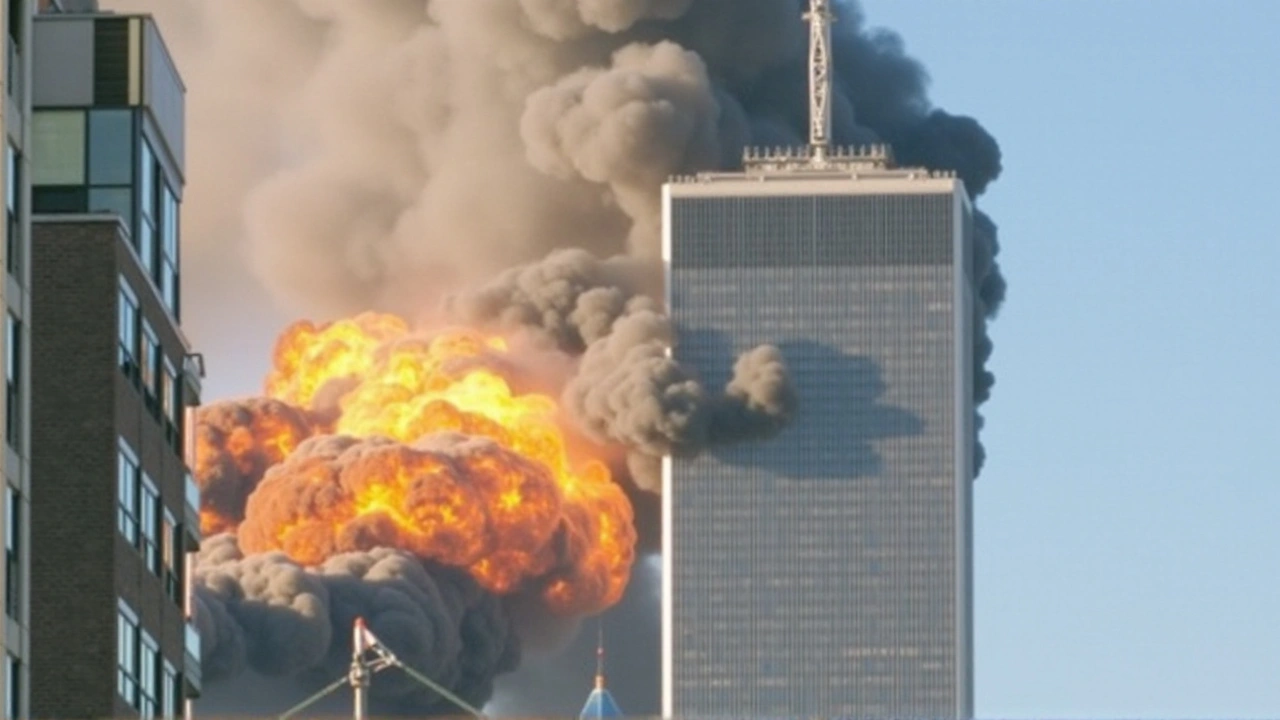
x,y
820,18
359,676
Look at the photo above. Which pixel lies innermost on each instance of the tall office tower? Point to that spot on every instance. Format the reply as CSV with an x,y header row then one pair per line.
x,y
15,24
112,632
826,572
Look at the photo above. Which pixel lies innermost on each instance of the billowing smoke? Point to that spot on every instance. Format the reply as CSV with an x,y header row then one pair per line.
x,y
267,615
393,154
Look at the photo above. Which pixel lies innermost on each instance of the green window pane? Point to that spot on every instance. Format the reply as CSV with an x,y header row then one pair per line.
x,y
58,143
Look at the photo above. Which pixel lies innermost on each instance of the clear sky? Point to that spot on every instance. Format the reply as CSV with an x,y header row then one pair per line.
x,y
1128,522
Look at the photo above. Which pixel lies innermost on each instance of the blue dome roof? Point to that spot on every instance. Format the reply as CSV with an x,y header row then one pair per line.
x,y
600,704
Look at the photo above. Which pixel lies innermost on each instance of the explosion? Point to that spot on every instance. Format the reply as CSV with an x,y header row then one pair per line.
x,y
427,449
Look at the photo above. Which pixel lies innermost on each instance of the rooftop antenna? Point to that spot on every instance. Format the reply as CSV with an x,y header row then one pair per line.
x,y
820,19
369,656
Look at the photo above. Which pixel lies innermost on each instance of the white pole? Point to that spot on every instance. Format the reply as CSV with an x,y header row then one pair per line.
x,y
820,18
359,671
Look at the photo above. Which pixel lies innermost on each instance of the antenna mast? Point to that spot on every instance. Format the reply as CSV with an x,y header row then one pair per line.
x,y
820,19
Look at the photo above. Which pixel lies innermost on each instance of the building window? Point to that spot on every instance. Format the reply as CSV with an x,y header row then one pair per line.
x,y
169,250
128,331
13,48
112,200
150,525
12,687
149,676
171,686
127,654
171,404
13,210
127,494
147,209
171,556
13,381
111,147
57,147
150,364
12,553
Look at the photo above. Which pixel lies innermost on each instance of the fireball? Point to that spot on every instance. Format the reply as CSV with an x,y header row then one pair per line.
x,y
425,447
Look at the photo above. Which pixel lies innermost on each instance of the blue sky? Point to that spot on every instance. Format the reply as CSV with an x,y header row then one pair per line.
x,y
1128,542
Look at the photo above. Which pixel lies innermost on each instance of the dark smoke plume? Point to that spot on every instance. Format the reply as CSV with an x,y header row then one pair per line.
x,y
265,614
389,154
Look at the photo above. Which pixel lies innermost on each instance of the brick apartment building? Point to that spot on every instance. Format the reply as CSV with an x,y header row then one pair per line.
x,y
114,509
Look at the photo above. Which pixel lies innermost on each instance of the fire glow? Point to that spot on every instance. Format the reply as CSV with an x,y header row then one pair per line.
x,y
418,442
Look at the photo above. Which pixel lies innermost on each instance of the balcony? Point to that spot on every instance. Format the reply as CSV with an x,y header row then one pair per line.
x,y
191,512
191,666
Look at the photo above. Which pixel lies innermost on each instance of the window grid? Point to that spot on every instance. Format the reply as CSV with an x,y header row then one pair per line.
x,y
171,405
815,573
127,494
171,687
127,655
148,676
171,539
151,526
13,553
13,428
13,212
12,687
128,333
150,365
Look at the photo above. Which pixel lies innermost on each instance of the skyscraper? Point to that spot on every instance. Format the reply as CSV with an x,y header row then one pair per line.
x,y
826,572
15,24
115,510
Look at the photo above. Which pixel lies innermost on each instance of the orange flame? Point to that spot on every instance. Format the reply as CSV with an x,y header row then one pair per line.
x,y
518,509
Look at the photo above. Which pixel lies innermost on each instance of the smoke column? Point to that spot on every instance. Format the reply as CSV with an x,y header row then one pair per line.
x,y
429,157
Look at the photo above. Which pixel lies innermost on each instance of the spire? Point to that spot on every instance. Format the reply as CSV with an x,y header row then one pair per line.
x,y
600,703
820,18
600,655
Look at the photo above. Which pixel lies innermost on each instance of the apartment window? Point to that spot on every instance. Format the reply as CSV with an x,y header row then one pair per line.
x,y
13,48
171,686
171,556
171,404
128,331
111,147
150,364
150,525
116,201
12,553
57,148
147,209
149,676
13,210
127,494
127,654
13,381
169,249
12,687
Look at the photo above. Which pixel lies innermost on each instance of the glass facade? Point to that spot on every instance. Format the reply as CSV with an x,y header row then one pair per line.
x,y
824,572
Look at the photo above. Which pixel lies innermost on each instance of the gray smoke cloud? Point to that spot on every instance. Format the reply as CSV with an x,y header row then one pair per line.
x,y
626,390
391,154
266,615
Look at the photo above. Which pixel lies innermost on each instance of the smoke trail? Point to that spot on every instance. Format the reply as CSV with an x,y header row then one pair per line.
x,y
392,154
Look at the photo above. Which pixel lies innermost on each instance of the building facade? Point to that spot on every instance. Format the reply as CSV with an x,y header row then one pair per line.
x,y
826,572
113,377
15,69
